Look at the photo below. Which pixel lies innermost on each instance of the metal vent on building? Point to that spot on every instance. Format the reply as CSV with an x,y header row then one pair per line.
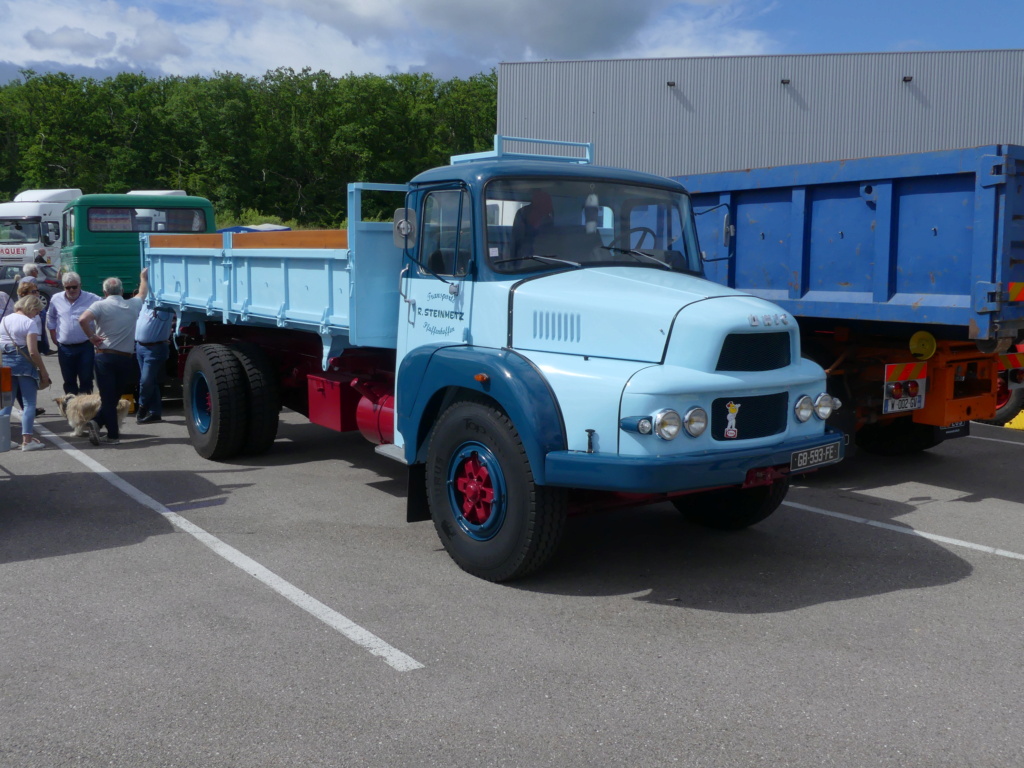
x,y
754,352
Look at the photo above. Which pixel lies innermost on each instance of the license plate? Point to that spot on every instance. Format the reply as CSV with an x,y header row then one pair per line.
x,y
903,404
809,458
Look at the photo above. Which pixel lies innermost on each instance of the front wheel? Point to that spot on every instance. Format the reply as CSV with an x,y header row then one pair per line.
x,y
492,518
732,509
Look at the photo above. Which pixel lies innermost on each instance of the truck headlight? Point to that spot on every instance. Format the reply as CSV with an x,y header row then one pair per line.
x,y
804,408
824,405
695,422
667,424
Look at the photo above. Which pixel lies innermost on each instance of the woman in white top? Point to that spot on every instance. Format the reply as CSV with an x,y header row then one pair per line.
x,y
19,341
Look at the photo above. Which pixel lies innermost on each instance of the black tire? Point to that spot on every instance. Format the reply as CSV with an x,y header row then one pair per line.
x,y
899,437
1009,402
215,401
263,397
492,518
732,509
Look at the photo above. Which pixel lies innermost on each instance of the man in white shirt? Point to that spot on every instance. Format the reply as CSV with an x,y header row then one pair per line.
x,y
74,350
113,337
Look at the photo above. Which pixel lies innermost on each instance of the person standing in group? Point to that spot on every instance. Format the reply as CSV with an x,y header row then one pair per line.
x,y
30,288
110,325
31,275
19,341
152,339
74,350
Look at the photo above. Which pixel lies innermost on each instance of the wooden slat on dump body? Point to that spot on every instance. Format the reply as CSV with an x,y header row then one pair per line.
x,y
312,238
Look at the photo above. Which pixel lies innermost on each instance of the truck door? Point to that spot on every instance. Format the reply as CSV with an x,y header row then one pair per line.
x,y
436,289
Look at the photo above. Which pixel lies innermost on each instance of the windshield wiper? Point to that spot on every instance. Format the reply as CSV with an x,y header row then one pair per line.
x,y
541,259
634,252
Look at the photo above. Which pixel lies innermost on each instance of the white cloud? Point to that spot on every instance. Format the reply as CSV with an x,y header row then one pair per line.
x,y
76,41
152,44
445,37
718,31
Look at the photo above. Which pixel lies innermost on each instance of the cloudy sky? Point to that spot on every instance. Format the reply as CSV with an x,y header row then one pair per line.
x,y
452,38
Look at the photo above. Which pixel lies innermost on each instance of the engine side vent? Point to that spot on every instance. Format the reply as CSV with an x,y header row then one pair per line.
x,y
557,326
754,352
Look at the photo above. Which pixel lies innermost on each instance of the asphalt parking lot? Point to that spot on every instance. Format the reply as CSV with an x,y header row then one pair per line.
x,y
162,610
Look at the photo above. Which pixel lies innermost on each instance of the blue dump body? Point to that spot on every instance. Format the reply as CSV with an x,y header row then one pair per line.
x,y
935,240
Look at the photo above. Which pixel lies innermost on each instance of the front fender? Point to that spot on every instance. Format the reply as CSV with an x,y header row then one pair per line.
x,y
512,381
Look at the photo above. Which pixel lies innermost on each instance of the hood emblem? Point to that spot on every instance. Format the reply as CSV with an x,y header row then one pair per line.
x,y
733,410
768,320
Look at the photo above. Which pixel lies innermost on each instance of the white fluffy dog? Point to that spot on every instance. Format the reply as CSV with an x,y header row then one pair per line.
x,y
80,409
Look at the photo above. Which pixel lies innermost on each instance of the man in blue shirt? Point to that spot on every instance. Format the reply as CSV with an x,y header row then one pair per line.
x,y
74,350
152,334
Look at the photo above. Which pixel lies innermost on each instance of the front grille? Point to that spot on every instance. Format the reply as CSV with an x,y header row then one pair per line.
x,y
754,352
756,416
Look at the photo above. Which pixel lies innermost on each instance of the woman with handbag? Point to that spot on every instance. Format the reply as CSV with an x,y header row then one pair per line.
x,y
19,341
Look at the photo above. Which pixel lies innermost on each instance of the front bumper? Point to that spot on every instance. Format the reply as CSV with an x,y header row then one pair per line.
x,y
666,474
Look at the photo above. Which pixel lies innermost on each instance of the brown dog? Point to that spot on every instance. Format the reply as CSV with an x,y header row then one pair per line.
x,y
79,410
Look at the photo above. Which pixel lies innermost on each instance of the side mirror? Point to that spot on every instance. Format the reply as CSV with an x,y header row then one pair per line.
x,y
405,228
728,231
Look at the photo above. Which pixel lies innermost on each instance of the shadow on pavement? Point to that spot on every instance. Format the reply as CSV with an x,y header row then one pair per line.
x,y
37,520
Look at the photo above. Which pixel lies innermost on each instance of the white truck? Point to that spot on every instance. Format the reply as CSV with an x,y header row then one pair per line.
x,y
30,226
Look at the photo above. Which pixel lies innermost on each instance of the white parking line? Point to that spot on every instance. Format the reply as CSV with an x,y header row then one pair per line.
x,y
351,630
908,531
996,440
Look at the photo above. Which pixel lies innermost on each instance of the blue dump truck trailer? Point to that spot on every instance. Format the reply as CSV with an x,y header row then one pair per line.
x,y
531,336
905,272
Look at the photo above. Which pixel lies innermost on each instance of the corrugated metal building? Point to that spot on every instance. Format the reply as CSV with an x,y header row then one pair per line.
x,y
698,115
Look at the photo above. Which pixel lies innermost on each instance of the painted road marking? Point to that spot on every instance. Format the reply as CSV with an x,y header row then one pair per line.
x,y
908,531
362,637
996,440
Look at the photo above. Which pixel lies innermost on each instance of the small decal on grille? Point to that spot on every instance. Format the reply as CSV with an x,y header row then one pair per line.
x,y
730,420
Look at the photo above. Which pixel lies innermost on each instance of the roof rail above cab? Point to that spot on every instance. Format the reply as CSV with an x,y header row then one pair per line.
x,y
500,152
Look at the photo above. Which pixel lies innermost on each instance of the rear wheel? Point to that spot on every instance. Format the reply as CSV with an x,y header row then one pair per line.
x,y
1009,403
264,399
732,509
493,519
215,401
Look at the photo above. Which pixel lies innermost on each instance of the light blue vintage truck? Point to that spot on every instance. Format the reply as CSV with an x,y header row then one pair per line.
x,y
532,336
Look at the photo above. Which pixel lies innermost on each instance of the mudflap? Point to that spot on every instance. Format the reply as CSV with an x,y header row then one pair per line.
x,y
958,429
416,507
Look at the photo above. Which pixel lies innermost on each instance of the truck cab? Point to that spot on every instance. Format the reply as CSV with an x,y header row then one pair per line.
x,y
30,226
570,299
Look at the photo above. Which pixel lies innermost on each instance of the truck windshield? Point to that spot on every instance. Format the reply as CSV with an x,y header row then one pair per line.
x,y
544,224
19,232
118,219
